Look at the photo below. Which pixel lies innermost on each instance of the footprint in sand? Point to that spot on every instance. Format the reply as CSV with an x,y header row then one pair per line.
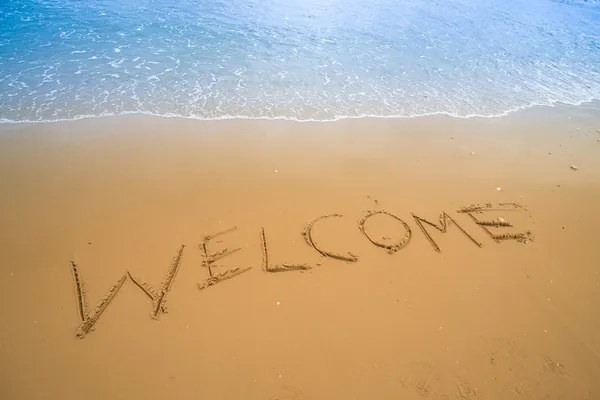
x,y
287,392
421,377
504,352
522,374
509,354
551,366
465,390
428,381
525,388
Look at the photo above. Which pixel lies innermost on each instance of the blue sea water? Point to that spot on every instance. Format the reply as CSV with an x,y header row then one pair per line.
x,y
297,59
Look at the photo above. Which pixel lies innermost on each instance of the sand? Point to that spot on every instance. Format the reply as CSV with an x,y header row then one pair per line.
x,y
359,304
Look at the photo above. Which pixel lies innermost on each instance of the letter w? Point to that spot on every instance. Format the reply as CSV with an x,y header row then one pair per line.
x,y
88,320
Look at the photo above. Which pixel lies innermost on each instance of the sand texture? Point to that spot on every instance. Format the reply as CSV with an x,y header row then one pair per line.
x,y
428,258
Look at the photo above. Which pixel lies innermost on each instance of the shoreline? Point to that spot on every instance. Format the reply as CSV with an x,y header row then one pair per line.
x,y
535,108
400,301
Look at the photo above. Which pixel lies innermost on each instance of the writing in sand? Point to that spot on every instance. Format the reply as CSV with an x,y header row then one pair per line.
x,y
159,296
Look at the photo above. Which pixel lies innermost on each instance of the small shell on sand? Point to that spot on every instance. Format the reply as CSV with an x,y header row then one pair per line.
x,y
500,219
574,168
499,189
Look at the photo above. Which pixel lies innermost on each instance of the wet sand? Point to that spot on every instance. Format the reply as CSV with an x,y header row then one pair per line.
x,y
366,308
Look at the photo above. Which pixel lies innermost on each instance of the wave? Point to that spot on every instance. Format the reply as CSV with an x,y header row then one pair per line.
x,y
311,61
549,104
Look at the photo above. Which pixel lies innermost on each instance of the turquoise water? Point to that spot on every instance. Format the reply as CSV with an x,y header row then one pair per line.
x,y
304,60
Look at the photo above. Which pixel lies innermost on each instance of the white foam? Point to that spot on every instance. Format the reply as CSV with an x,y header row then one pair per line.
x,y
459,58
295,119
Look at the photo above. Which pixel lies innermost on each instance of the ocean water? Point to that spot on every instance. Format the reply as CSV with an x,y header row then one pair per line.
x,y
297,59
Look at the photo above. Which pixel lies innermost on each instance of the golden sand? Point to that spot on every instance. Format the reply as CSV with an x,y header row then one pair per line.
x,y
147,258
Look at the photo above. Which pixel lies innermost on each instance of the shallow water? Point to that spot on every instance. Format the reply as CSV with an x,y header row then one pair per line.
x,y
308,60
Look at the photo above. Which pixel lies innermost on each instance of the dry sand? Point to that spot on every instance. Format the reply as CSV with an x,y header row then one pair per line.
x,y
507,320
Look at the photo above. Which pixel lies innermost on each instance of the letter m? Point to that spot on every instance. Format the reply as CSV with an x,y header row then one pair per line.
x,y
445,221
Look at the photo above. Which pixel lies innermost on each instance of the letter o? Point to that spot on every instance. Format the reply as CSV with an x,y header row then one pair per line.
x,y
390,248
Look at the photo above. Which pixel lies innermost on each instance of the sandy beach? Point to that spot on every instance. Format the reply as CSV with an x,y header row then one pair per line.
x,y
153,258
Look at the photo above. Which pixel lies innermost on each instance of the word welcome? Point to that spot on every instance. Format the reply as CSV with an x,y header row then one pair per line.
x,y
159,296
